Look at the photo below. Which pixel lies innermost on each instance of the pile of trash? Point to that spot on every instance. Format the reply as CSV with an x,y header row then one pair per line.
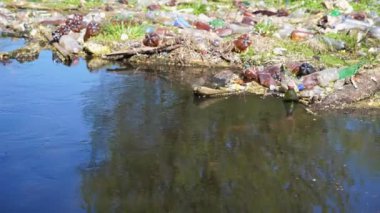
x,y
247,33
256,37
293,81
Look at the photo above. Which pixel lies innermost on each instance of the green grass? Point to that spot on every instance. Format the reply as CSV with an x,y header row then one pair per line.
x,y
307,4
65,3
366,5
265,28
197,7
349,40
311,4
297,48
247,56
331,60
113,32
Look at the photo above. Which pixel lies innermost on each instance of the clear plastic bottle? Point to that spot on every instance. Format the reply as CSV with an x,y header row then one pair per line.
x,y
350,24
375,32
70,44
334,44
308,82
325,77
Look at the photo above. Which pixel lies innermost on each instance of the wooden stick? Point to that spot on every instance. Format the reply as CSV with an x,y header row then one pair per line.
x,y
65,55
37,7
143,50
213,93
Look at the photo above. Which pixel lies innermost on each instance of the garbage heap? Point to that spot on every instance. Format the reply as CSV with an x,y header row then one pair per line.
x,y
238,33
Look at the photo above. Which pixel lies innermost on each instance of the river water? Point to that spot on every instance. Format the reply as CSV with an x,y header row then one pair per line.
x,y
137,141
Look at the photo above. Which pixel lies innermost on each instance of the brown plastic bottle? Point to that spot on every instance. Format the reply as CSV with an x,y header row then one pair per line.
x,y
201,26
310,81
151,39
266,80
242,43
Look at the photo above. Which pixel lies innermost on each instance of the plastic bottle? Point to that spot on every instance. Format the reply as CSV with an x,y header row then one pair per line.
x,y
298,35
240,29
334,44
335,13
325,77
248,20
285,31
217,23
92,29
290,94
70,44
151,39
377,21
266,80
316,92
202,26
181,22
242,43
375,32
349,71
349,24
223,32
308,82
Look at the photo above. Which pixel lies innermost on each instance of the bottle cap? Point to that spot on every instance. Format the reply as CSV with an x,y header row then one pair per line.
x,y
300,87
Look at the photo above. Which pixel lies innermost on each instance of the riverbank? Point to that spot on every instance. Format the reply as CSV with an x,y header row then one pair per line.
x,y
231,35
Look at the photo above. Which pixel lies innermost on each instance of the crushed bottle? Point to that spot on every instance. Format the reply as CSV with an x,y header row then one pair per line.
x,y
242,43
151,39
92,29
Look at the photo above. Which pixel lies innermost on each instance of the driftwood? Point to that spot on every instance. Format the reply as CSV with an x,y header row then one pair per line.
x,y
143,50
13,33
34,6
367,86
63,54
207,92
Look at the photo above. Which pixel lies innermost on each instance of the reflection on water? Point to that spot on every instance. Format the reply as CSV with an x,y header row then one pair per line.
x,y
149,146
10,44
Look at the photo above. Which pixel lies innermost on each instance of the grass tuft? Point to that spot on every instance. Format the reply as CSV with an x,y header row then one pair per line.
x,y
113,32
265,28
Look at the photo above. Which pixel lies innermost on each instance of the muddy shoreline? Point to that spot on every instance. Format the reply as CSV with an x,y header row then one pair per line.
x,y
178,48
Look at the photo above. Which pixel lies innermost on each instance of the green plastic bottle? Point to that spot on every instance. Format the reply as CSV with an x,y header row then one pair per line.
x,y
290,94
350,70
335,13
217,23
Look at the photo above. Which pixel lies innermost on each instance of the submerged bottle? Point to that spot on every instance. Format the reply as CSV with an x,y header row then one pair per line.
x,y
290,94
